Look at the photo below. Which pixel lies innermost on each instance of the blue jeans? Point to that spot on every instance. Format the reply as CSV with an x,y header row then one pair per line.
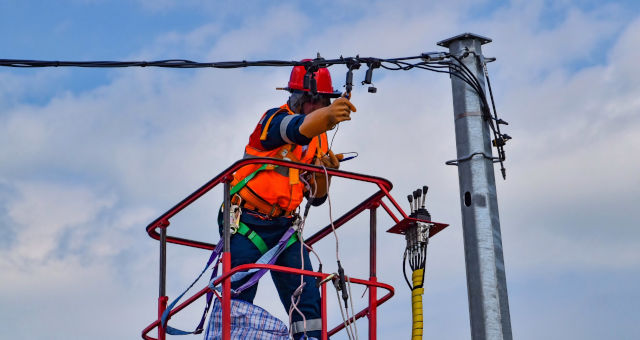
x,y
243,251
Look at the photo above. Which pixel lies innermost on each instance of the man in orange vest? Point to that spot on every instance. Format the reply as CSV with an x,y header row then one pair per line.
x,y
269,196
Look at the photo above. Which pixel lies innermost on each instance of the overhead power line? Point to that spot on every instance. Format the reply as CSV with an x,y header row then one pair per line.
x,y
440,62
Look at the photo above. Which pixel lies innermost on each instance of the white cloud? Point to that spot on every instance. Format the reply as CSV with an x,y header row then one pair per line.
x,y
43,212
529,46
17,87
67,299
91,169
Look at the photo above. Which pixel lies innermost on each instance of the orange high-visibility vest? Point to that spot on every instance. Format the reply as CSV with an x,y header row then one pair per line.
x,y
279,185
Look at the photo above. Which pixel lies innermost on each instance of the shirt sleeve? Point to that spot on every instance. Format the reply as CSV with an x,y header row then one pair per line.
x,y
283,129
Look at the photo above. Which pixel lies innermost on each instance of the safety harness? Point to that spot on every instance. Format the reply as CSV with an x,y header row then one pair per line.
x,y
240,227
269,256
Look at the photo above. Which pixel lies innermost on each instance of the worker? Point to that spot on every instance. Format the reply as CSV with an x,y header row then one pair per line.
x,y
295,131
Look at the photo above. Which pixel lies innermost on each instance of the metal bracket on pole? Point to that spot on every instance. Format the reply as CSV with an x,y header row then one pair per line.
x,y
486,279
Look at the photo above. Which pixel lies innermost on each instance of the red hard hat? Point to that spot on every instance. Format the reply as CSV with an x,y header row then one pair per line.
x,y
322,77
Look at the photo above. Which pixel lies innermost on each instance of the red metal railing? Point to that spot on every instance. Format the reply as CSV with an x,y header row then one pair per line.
x,y
205,290
383,184
371,203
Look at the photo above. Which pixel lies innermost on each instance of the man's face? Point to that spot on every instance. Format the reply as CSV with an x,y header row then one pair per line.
x,y
314,103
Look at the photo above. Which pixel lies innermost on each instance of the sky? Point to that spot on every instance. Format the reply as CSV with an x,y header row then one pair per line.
x,y
89,157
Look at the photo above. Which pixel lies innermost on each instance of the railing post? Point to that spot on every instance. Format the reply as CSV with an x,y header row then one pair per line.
x,y
486,279
226,264
324,335
162,298
373,291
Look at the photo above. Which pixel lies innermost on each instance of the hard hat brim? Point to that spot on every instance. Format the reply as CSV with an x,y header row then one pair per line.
x,y
334,94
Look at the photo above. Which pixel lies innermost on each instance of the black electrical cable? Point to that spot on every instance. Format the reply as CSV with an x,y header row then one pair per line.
x,y
493,120
169,63
424,262
398,63
467,71
483,96
440,65
461,67
504,138
479,90
404,269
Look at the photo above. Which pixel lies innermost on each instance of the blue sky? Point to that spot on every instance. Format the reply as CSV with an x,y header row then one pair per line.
x,y
89,157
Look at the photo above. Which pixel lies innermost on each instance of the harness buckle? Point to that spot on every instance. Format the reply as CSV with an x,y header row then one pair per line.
x,y
235,213
297,222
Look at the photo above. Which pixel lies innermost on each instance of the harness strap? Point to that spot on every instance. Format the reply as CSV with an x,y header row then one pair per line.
x,y
215,257
319,152
269,257
294,174
257,241
284,154
253,237
292,240
250,200
246,180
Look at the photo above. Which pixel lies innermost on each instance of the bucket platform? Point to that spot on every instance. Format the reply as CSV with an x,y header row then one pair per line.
x,y
158,230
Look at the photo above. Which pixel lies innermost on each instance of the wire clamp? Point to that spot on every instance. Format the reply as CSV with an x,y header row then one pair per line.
x,y
434,56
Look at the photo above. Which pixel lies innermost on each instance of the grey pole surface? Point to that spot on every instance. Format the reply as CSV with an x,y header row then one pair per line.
x,y
486,280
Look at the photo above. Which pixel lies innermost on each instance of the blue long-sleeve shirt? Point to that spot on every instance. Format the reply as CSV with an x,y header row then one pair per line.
x,y
283,129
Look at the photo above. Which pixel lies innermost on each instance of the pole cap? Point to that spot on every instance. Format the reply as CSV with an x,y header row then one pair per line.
x,y
447,42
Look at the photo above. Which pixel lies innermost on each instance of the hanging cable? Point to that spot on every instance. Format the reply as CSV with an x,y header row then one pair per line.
x,y
501,138
295,298
353,310
344,318
340,282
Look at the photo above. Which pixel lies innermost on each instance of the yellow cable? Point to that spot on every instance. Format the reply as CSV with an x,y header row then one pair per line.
x,y
416,305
